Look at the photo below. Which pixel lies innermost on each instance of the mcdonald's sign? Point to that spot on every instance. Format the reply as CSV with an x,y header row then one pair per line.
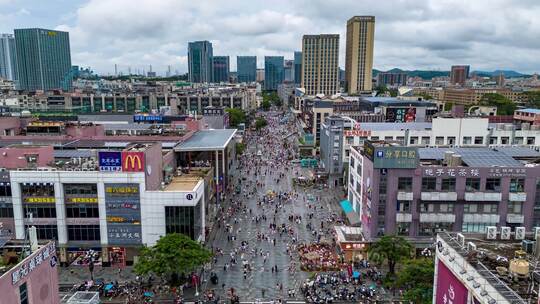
x,y
133,161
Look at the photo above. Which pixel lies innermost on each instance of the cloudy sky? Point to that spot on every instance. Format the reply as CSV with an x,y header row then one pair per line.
x,y
410,34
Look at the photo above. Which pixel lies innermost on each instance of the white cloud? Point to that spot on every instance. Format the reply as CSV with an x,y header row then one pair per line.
x,y
411,34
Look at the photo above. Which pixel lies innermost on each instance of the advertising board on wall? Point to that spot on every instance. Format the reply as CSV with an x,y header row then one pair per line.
x,y
391,157
449,288
400,114
123,206
121,161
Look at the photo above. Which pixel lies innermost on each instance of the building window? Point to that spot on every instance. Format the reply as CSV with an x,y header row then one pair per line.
x,y
472,184
358,188
505,140
429,183
481,208
5,189
403,206
493,184
515,207
413,140
427,207
467,140
40,211
82,211
446,208
180,219
23,293
425,140
359,169
493,140
451,140
389,138
46,232
374,138
448,184
530,140
403,228
6,211
83,232
476,227
430,229
405,184
478,140
439,140
517,185
352,162
401,139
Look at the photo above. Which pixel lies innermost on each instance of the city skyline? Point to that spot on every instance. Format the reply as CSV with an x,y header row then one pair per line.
x,y
409,34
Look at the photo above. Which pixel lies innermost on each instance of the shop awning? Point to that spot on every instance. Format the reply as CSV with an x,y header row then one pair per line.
x,y
353,218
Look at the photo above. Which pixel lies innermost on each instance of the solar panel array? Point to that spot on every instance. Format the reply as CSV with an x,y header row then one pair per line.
x,y
472,157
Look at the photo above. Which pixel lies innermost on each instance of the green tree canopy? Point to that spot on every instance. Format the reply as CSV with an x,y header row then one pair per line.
x,y
531,99
240,148
260,123
416,277
174,254
392,249
504,105
265,105
236,116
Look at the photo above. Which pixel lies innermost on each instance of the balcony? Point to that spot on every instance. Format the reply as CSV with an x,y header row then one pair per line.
x,y
404,196
402,217
515,218
517,196
481,218
437,217
483,196
439,196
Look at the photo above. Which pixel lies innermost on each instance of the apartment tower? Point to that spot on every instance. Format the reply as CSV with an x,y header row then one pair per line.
x,y
359,54
320,64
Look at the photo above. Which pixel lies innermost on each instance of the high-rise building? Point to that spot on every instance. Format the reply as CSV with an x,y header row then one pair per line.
x,y
8,63
260,75
221,68
392,79
43,59
200,55
289,71
246,67
320,64
459,74
273,72
298,67
359,54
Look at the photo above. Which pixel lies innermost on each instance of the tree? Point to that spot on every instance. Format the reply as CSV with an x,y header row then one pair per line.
x,y
426,96
531,99
265,105
236,116
174,254
392,249
240,147
260,123
504,105
416,277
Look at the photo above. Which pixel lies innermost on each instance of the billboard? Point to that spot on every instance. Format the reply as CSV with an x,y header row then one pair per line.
x,y
449,288
123,209
147,118
132,161
110,161
400,114
391,157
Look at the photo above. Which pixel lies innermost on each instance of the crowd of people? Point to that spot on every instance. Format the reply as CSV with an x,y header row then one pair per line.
x,y
339,287
319,257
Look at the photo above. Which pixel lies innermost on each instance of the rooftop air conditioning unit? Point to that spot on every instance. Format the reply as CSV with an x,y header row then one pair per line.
x,y
528,246
505,233
520,233
491,232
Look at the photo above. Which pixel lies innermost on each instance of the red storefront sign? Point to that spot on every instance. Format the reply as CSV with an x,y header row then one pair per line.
x,y
132,161
449,288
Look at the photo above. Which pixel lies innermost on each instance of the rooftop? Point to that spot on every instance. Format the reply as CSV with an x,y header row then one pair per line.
x,y
533,111
183,183
473,157
207,140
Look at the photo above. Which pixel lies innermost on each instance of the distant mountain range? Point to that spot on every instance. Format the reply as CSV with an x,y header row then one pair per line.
x,y
430,74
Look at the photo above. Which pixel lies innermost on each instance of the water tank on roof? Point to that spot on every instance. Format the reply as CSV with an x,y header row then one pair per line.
x,y
455,160
448,157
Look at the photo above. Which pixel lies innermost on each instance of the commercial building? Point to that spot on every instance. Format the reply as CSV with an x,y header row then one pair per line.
x,y
118,198
200,54
359,54
246,67
8,60
33,278
221,68
391,79
43,60
297,67
273,72
459,74
472,96
530,116
260,75
288,71
496,266
419,192
331,155
320,64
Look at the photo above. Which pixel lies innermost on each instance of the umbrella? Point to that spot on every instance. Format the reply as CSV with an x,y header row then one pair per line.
x,y
148,294
108,287
356,274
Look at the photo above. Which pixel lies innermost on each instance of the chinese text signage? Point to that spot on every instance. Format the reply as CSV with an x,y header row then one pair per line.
x,y
449,288
110,161
474,172
122,202
121,161
358,133
46,254
396,157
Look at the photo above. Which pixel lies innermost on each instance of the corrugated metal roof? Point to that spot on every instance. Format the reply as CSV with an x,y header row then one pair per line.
x,y
473,157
